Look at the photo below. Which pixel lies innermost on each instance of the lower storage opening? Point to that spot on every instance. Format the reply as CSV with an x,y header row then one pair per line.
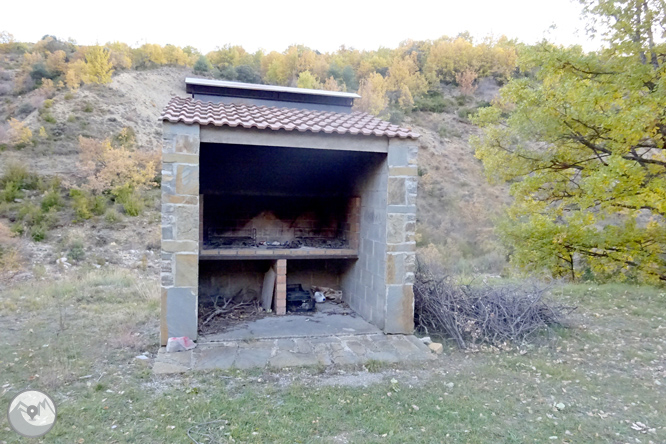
x,y
230,292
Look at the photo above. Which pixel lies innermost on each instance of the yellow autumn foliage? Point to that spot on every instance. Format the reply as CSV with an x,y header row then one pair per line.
x,y
107,167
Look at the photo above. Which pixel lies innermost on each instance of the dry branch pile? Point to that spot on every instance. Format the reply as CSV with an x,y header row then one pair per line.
x,y
236,306
483,314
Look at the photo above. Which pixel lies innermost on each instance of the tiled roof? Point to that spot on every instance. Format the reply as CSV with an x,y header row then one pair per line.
x,y
190,111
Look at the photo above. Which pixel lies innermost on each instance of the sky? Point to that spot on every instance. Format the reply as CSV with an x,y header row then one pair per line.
x,y
274,25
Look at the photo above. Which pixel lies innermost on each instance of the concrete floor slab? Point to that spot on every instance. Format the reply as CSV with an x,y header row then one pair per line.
x,y
319,324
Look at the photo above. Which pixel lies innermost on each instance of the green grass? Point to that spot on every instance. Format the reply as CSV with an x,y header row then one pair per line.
x,y
604,371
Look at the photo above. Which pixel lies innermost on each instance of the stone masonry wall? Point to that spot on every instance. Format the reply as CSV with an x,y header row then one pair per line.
x,y
180,230
401,236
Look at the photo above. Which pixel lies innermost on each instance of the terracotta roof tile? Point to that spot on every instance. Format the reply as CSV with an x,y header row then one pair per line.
x,y
191,111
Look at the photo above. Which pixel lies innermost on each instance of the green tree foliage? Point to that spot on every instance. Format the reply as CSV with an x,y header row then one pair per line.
x,y
99,68
582,142
307,80
202,65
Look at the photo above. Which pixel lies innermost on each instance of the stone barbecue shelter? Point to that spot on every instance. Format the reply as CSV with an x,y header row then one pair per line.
x,y
258,178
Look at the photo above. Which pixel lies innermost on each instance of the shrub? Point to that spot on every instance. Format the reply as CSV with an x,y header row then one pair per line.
x,y
112,216
444,131
48,103
40,71
31,214
88,108
10,258
119,170
25,108
85,205
48,117
80,204
126,137
433,102
19,174
130,199
76,251
202,65
465,112
20,134
11,192
461,100
247,74
98,205
396,116
51,199
38,232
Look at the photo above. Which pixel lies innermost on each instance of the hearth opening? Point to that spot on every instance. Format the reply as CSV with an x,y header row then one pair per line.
x,y
265,223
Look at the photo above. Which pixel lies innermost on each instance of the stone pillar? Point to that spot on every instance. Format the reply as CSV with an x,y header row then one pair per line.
x,y
401,236
180,231
280,307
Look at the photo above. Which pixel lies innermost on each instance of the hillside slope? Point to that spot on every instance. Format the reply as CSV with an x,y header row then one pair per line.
x,y
455,207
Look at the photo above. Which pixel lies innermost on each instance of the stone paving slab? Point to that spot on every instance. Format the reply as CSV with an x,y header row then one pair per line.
x,y
295,352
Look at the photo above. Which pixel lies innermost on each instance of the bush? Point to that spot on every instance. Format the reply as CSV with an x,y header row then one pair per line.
x,y
247,74
31,214
131,201
461,100
38,232
98,205
11,192
48,117
396,116
80,204
445,132
87,108
86,205
433,102
40,71
51,199
126,137
202,65
76,251
20,175
465,112
25,108
112,216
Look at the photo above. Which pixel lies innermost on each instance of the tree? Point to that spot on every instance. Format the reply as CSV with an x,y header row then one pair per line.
x,y
373,94
307,80
465,81
98,65
583,147
76,71
202,65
